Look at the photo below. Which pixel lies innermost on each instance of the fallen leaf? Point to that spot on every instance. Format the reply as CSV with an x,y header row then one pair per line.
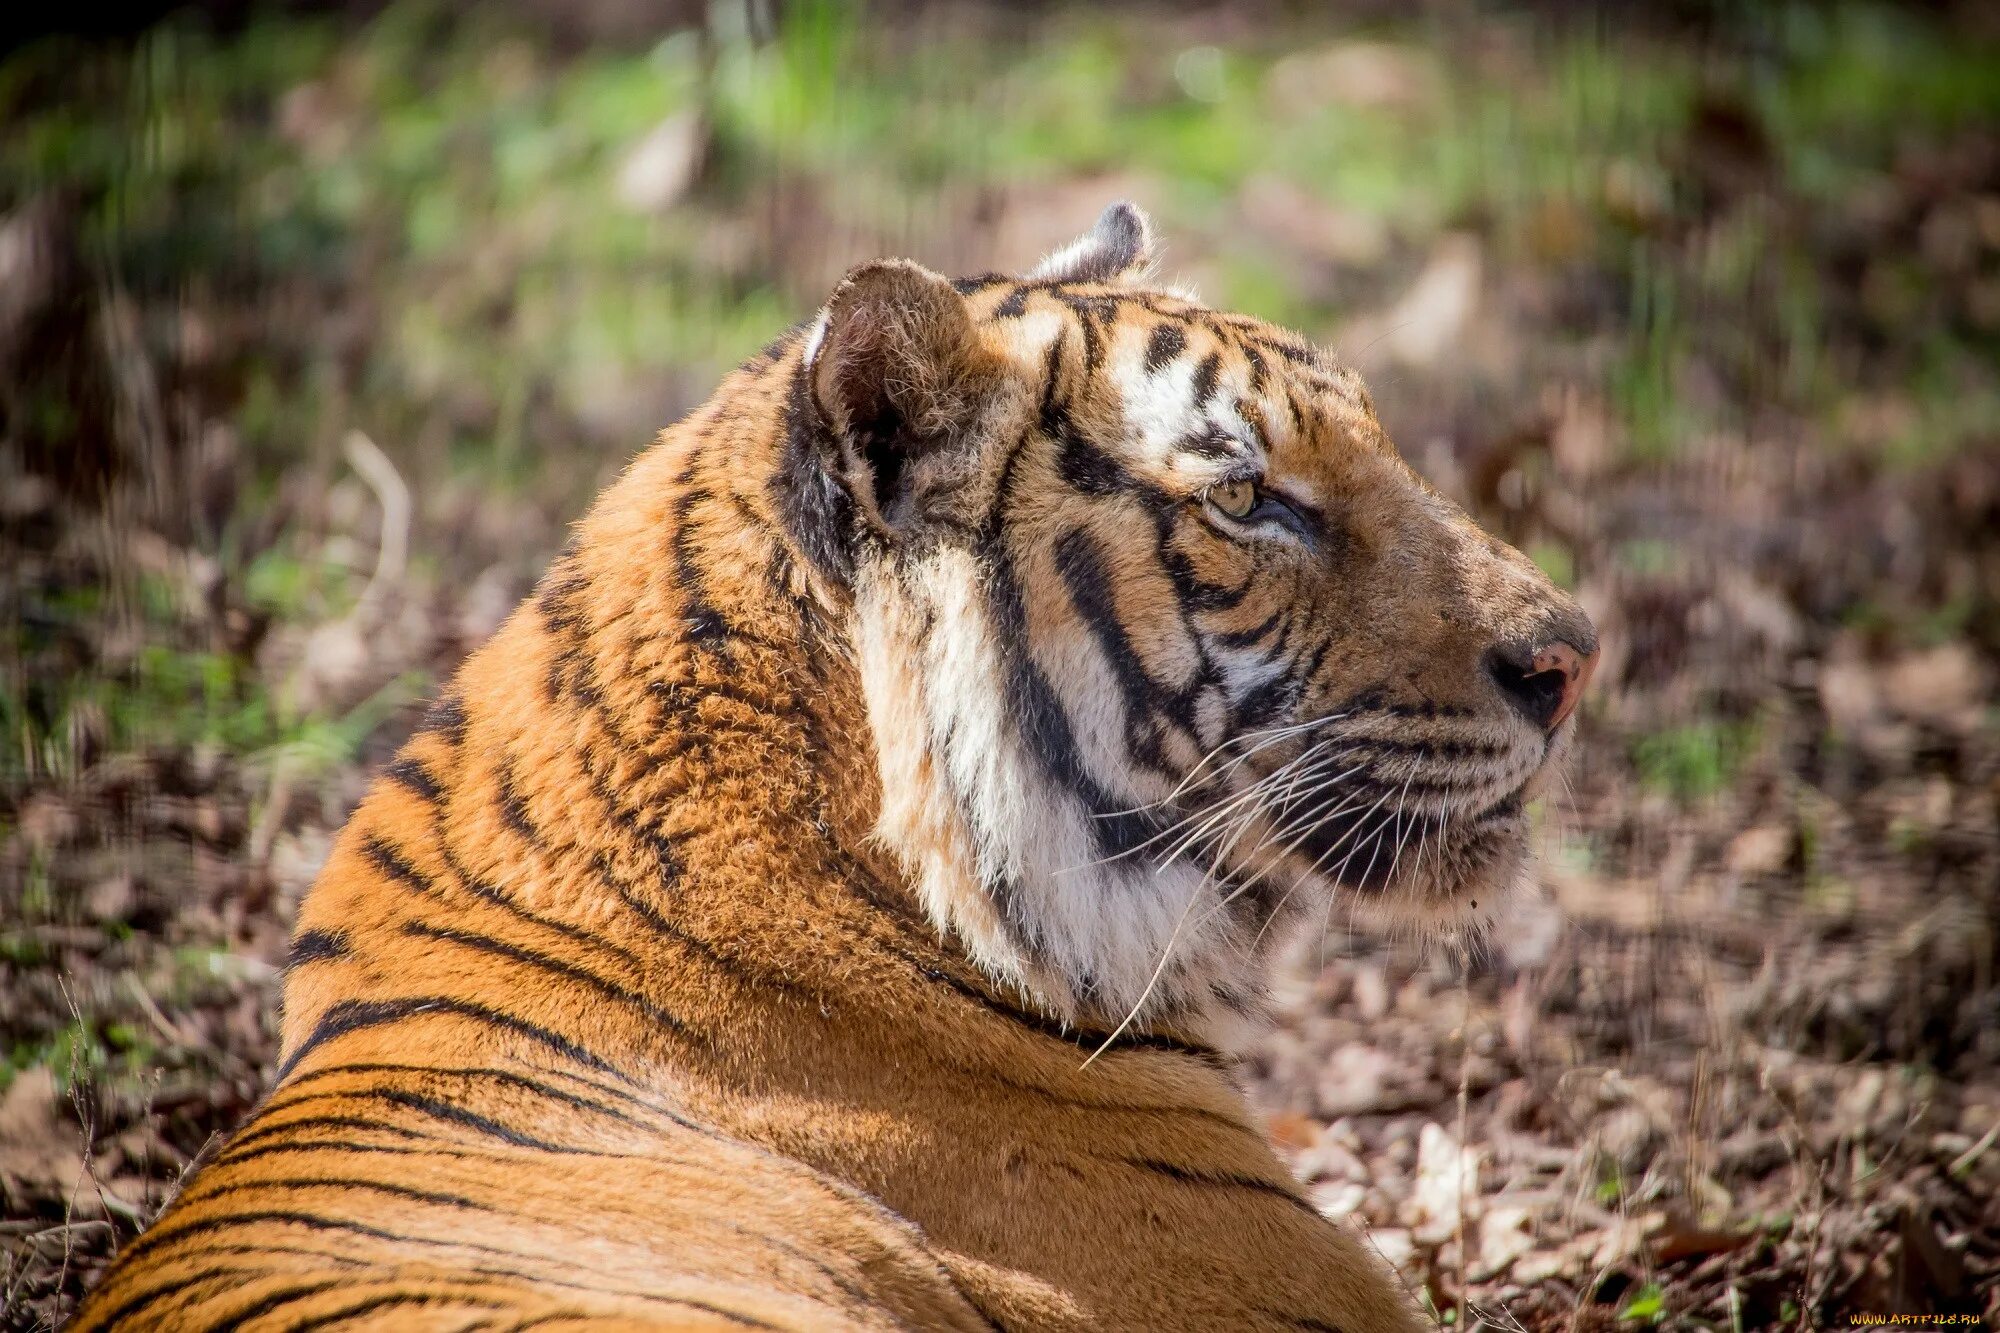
x,y
663,165
1762,850
1943,686
1434,313
1684,1242
39,1149
1447,1185
1506,1233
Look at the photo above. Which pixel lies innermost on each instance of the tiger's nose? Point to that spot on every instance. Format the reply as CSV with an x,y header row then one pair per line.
x,y
1543,680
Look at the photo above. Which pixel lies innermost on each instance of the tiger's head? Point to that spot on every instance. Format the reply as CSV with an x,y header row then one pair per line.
x,y
1164,648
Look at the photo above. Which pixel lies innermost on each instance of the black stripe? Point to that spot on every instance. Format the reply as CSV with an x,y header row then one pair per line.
x,y
506,1076
1031,698
1081,565
388,1301
486,892
316,946
405,875
452,1113
1172,1110
167,1232
1267,702
704,624
1089,310
1082,1038
814,506
409,771
1246,638
1205,375
1297,409
284,1148
1214,443
349,1016
549,963
198,1193
446,717
1299,354
438,1109
394,866
1310,670
1435,749
1044,724
1082,464
1218,1180
514,810
133,1305
555,600
1258,371
1195,593
1414,786
566,624
257,1131
1166,343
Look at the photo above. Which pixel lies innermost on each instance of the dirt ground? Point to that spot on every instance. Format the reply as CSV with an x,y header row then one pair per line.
x,y
315,330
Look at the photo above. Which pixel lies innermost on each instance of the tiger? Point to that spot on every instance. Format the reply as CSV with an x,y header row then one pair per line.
x,y
836,898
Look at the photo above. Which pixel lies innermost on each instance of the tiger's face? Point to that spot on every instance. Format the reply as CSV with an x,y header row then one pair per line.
x,y
1165,648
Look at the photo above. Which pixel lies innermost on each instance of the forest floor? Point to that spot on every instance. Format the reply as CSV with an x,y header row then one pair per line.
x,y
315,333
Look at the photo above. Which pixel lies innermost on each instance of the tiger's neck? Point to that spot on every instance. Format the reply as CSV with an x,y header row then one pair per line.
x,y
875,728
1040,868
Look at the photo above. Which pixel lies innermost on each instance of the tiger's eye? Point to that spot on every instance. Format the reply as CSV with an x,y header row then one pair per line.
x,y
1234,498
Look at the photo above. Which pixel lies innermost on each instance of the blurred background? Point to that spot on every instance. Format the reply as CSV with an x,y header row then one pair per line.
x,y
319,322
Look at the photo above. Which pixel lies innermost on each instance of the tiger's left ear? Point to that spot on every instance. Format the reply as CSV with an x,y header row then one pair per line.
x,y
1117,249
897,373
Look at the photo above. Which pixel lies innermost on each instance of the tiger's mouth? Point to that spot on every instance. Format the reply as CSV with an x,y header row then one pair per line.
x,y
1418,821
1372,851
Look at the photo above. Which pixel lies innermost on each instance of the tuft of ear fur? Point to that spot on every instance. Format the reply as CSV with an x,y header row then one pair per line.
x,y
897,369
1117,249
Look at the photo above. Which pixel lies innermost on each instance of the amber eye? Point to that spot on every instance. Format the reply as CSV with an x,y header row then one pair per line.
x,y
1234,498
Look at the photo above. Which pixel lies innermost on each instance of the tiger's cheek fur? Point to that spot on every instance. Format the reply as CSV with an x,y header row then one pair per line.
x,y
929,672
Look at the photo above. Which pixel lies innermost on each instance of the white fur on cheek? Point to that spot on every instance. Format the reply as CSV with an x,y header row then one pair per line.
x,y
815,338
1002,855
919,818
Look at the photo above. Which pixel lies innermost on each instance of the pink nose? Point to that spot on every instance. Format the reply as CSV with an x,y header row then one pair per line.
x,y
1574,666
1545,681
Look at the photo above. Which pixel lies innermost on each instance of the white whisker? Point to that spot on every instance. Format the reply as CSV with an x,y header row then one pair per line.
x,y
1294,769
1265,738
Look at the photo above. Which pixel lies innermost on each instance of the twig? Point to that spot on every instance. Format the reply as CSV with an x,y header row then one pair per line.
x,y
154,1015
1464,1089
270,819
392,552
1963,1162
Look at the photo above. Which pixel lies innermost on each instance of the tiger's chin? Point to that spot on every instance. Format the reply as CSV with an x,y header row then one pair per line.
x,y
1454,896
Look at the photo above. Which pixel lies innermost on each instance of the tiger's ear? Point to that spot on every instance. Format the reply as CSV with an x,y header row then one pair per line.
x,y
1117,249
897,372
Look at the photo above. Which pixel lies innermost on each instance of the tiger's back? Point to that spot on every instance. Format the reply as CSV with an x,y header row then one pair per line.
x,y
692,966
